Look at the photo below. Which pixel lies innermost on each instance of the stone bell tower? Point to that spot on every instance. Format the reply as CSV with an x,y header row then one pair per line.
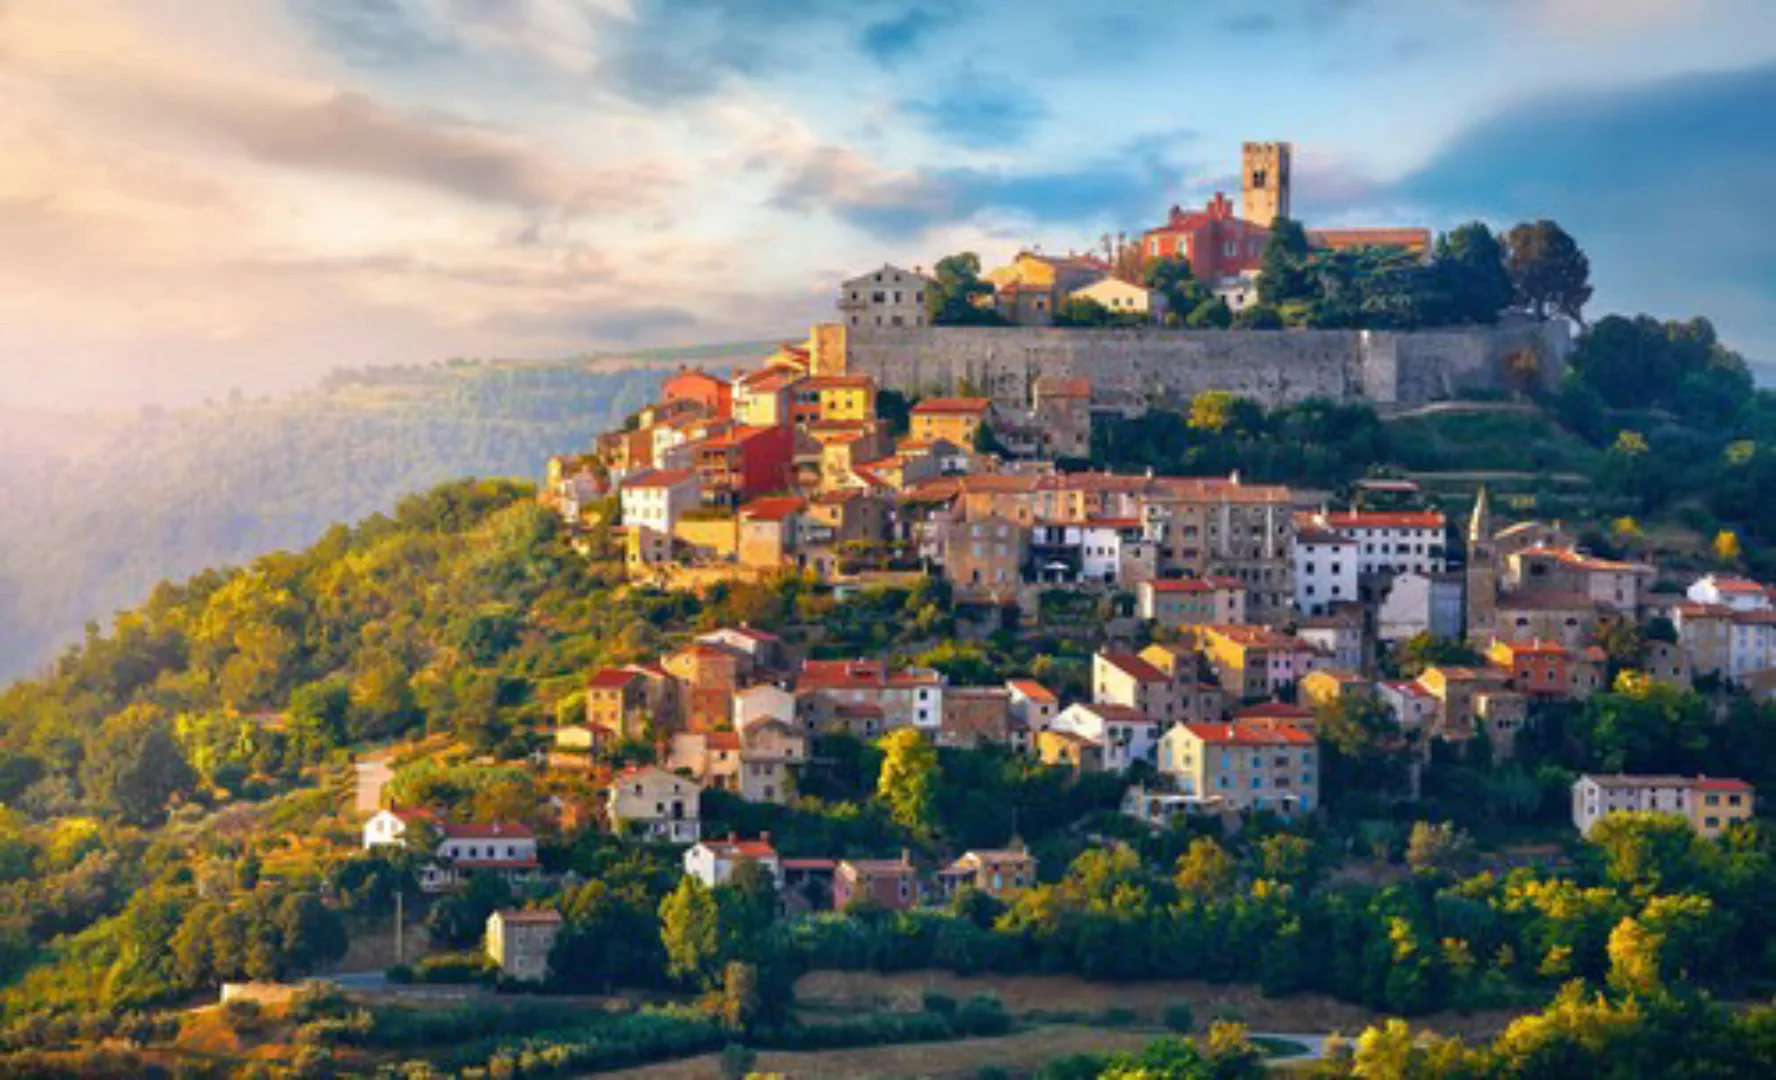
x,y
1264,172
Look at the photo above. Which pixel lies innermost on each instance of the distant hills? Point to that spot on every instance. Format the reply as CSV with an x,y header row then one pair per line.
x,y
96,509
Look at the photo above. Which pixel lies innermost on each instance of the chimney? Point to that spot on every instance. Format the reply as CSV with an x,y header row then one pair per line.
x,y
906,856
765,836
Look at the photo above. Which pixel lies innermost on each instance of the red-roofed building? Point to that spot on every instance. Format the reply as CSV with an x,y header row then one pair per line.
x,y
1126,679
888,884
713,862
1238,767
1388,542
507,850
1710,804
1412,241
715,395
1126,734
1217,244
743,463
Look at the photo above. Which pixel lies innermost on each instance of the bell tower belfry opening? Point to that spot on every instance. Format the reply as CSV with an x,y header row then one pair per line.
x,y
1265,173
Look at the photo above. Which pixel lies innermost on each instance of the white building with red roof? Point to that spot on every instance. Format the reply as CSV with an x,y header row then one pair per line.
x,y
1126,734
1710,804
1740,594
504,849
1390,541
713,862
656,499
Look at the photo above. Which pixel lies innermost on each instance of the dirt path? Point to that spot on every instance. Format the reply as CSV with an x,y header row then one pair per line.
x,y
373,774
1023,994
1021,1052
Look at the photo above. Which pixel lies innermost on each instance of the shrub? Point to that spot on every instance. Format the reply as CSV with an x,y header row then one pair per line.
x,y
317,1001
983,1014
453,969
1117,1016
400,974
1178,1016
941,1004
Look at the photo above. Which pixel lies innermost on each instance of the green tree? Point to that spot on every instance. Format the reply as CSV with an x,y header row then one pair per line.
x,y
1257,317
1211,314
1205,870
1548,270
958,296
135,766
1437,847
1284,277
1212,410
690,931
1471,266
908,781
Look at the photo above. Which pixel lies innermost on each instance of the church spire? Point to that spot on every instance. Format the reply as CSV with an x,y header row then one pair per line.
x,y
1480,525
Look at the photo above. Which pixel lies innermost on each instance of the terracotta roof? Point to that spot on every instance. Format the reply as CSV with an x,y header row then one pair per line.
x,y
1063,387
1545,601
809,864
1408,686
1583,561
769,380
1532,648
1721,783
1132,665
722,740
1112,713
771,508
487,832
610,679
840,382
1250,734
1376,519
878,866
1413,239
1700,611
1195,585
1256,637
952,405
742,849
658,478
1732,584
495,864
1034,690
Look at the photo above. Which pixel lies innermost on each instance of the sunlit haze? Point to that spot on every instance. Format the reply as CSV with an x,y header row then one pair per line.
x,y
202,196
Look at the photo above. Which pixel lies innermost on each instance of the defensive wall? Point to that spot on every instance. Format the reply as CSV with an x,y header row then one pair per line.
x,y
1131,368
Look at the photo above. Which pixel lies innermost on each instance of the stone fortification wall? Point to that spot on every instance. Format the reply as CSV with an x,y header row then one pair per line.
x,y
1135,367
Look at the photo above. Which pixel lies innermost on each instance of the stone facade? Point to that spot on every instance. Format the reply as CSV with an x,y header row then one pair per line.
x,y
1130,368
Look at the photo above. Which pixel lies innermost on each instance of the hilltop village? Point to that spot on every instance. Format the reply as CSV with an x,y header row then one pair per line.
x,y
1243,631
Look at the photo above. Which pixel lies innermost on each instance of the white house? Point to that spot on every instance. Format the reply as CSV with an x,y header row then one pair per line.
x,y
389,827
1127,734
763,702
655,803
1325,568
507,850
1709,804
1740,594
1420,603
657,498
1751,642
713,861
1122,298
1391,542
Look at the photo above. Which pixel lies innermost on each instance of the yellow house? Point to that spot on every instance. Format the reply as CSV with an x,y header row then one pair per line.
x,y
843,397
1070,749
1717,803
1329,687
953,419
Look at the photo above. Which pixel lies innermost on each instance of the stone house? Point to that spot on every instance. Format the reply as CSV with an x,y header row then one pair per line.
x,y
1001,874
884,883
654,803
519,941
1241,767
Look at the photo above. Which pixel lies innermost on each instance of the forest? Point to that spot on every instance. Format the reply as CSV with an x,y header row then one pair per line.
x,y
94,510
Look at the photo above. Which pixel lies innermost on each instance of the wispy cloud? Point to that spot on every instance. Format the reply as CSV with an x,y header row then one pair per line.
x,y
979,112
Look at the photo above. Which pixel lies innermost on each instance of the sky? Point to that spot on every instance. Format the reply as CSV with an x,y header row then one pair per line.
x,y
198,197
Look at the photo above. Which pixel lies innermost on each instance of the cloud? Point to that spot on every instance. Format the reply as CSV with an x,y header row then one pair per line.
x,y
1666,185
900,37
979,113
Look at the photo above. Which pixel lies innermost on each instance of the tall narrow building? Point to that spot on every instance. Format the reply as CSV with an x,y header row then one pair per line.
x,y
1265,181
1482,574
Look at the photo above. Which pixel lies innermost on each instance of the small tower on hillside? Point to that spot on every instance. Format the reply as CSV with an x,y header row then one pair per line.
x,y
1265,170
1482,574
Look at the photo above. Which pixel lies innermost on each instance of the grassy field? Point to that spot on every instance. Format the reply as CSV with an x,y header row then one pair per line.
x,y
1052,994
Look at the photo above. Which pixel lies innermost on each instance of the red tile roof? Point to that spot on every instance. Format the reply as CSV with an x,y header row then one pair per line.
x,y
771,508
1034,690
487,832
531,916
952,405
1251,734
742,849
1721,783
1195,585
1411,239
610,679
659,478
1275,710
1377,519
1062,387
1132,665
